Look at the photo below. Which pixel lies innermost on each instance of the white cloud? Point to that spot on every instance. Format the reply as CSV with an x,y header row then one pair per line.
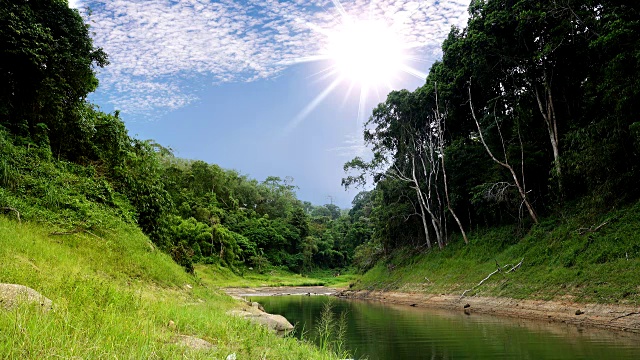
x,y
353,146
74,4
162,50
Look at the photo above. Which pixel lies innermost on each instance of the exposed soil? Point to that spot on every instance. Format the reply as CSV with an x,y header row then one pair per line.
x,y
606,316
280,291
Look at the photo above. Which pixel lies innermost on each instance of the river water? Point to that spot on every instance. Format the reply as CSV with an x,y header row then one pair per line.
x,y
379,331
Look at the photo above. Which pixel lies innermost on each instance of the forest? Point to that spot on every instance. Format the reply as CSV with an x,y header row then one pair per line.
x,y
531,112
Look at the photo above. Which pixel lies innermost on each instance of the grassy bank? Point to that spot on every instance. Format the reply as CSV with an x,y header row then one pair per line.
x,y
583,257
114,296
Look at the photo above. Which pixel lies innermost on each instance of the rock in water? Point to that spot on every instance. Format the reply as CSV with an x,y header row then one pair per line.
x,y
11,295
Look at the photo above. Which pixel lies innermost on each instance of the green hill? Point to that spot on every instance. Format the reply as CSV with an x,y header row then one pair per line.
x,y
114,296
586,258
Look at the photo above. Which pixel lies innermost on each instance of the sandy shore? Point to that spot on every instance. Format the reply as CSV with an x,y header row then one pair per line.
x,y
280,291
606,316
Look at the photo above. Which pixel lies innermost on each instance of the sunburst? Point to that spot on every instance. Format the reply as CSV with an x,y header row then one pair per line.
x,y
368,53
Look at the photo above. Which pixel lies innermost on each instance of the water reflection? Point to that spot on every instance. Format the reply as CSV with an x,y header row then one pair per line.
x,y
382,331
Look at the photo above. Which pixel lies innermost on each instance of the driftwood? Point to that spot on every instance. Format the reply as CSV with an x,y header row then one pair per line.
x,y
498,270
7,209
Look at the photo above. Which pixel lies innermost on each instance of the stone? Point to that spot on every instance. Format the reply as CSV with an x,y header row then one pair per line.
x,y
192,342
11,295
276,323
257,306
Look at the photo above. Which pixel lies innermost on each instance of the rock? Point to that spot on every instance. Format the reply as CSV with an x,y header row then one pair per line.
x,y
231,356
257,306
466,306
273,322
192,342
276,323
171,325
11,295
579,312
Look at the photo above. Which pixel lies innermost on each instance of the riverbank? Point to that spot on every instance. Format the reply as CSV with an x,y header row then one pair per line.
x,y
242,292
604,316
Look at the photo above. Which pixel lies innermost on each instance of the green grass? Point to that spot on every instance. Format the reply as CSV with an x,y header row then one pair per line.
x,y
114,296
218,276
560,261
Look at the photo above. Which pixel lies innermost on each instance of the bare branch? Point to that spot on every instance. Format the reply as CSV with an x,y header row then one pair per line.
x,y
497,270
7,209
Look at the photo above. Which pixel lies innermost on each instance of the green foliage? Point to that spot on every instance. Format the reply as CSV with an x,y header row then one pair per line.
x,y
47,62
555,92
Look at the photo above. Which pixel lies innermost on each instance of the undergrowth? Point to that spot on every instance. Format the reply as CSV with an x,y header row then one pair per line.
x,y
584,256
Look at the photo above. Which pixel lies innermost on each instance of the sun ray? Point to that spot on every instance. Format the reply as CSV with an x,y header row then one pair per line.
x,y
415,72
348,94
305,59
364,92
323,74
312,105
341,9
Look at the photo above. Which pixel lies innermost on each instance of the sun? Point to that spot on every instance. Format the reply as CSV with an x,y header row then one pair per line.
x,y
367,52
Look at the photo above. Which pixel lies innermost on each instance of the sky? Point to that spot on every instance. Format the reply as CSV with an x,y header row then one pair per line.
x,y
268,88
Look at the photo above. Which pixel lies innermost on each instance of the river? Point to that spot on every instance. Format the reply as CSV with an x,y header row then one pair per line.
x,y
379,331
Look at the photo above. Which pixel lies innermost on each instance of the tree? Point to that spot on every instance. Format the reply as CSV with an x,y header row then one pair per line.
x,y
47,62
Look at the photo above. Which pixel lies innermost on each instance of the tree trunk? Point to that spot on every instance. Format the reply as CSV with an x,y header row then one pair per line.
x,y
547,110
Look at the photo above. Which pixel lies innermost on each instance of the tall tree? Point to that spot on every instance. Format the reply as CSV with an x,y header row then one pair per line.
x,y
47,62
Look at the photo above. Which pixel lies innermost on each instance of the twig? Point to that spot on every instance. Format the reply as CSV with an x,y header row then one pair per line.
x,y
5,209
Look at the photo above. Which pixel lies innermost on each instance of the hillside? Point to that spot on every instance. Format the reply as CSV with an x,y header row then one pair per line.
x,y
114,296
583,257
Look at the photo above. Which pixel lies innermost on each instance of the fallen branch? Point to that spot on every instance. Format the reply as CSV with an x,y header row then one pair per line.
x,y
583,231
516,267
497,270
625,315
7,209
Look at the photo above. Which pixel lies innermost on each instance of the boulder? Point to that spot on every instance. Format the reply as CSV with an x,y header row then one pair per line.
x,y
11,295
276,323
192,342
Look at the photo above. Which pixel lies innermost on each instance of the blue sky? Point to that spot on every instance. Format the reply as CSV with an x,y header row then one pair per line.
x,y
232,82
